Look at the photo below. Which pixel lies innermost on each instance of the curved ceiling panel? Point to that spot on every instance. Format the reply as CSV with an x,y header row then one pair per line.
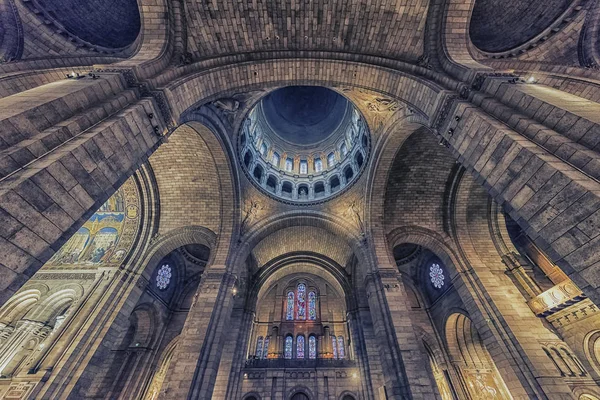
x,y
498,26
111,24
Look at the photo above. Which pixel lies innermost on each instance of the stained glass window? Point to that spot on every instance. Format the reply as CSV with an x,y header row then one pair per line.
x,y
263,149
163,277
300,347
312,305
288,347
344,150
318,165
312,347
275,159
289,314
437,275
334,347
289,164
341,350
301,302
266,348
259,347
330,160
303,167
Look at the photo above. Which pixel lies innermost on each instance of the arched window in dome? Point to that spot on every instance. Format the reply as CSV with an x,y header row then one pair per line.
x,y
263,149
303,167
301,302
275,160
289,314
266,347
341,350
289,164
344,149
259,347
300,347
287,351
330,160
334,347
312,347
312,306
318,165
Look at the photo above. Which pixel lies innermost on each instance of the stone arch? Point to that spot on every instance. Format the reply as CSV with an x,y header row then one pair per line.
x,y
189,91
56,303
385,154
161,370
335,225
165,244
472,359
145,322
20,304
208,187
591,348
251,396
348,395
299,390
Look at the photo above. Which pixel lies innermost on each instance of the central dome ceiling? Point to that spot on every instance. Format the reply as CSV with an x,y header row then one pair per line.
x,y
304,144
304,115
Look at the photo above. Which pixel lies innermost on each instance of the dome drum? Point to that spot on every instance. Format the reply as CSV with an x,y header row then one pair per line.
x,y
286,166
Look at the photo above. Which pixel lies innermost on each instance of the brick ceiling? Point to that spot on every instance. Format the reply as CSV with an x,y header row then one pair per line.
x,y
386,28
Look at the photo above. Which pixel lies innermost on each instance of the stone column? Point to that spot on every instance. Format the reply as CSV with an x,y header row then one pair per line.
x,y
25,330
404,364
194,368
326,351
275,342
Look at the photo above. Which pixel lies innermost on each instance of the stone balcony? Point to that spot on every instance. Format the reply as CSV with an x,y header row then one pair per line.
x,y
294,363
556,298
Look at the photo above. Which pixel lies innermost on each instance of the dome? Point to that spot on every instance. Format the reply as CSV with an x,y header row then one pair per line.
x,y
304,115
304,144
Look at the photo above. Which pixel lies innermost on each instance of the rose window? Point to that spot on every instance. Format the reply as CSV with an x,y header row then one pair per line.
x,y
437,275
163,278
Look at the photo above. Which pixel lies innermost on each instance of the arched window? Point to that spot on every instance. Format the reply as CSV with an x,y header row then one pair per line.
x,y
341,350
312,306
312,347
259,347
344,150
303,167
318,165
330,160
300,347
263,150
266,348
287,352
301,302
289,164
275,159
334,347
289,314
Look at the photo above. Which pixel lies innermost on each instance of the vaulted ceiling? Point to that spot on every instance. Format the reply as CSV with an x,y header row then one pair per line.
x,y
386,28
